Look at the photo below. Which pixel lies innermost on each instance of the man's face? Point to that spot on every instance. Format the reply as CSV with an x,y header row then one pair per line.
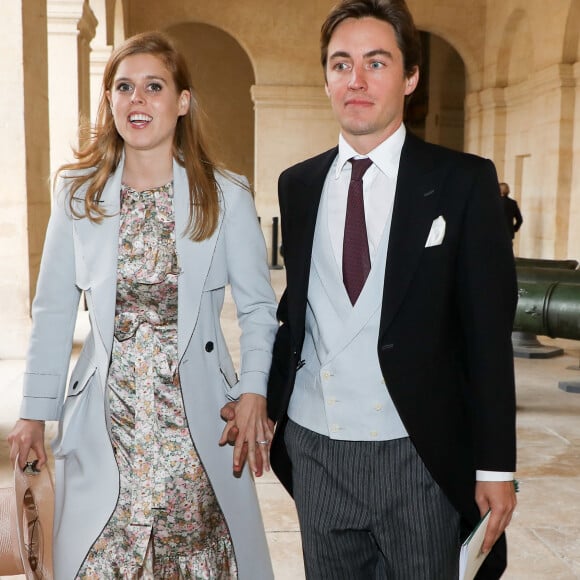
x,y
366,82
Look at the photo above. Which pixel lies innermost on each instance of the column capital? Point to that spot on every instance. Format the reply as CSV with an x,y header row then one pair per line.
x,y
71,17
492,98
289,96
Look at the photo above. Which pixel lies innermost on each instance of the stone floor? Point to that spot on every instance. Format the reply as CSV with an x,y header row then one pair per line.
x,y
544,537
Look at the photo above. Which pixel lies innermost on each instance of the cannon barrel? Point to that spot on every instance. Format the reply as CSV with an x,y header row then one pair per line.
x,y
531,274
549,308
545,263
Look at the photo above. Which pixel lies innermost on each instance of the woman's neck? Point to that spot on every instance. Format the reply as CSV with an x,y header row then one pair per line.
x,y
144,171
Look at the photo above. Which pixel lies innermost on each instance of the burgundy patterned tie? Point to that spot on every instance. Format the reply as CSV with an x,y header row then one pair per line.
x,y
356,262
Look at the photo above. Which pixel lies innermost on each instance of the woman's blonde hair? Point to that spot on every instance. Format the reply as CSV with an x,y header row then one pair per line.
x,y
99,157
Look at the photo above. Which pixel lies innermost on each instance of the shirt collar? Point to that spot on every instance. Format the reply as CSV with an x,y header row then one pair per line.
x,y
385,156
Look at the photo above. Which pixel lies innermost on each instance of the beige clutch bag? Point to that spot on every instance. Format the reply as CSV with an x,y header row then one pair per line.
x,y
26,518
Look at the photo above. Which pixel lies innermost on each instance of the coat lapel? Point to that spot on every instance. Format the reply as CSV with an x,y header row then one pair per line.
x,y
195,258
96,258
415,207
301,205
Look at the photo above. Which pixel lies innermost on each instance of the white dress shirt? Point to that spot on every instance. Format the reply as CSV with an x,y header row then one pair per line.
x,y
379,183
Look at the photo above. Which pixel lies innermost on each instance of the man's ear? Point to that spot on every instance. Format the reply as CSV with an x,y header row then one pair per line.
x,y
412,81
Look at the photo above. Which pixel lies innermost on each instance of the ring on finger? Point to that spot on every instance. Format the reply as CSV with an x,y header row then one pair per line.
x,y
265,442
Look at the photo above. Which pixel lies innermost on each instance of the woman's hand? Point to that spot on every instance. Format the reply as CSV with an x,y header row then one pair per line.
x,y
248,421
27,435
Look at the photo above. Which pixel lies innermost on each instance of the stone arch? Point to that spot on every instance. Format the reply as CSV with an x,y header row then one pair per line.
x,y
437,110
223,76
460,44
515,59
571,46
447,89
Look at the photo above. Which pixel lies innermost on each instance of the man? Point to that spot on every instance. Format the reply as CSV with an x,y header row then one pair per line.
x,y
392,380
512,212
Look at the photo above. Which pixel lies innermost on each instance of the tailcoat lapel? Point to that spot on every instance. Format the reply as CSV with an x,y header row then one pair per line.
x,y
300,205
416,200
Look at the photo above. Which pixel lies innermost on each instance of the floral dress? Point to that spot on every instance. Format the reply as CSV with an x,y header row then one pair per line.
x,y
167,523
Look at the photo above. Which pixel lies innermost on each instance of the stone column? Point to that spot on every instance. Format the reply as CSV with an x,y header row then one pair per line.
x,y
493,123
556,87
473,122
292,124
25,191
574,216
71,27
99,58
100,53
540,113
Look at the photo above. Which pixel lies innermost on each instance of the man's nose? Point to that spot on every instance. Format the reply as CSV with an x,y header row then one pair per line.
x,y
357,79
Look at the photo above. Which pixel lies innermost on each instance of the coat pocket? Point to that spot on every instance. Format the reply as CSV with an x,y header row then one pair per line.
x,y
80,377
75,409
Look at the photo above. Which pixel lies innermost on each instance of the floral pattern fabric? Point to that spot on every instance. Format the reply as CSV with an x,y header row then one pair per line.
x,y
167,523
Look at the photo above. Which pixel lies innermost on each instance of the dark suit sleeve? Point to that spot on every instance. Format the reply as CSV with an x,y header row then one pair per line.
x,y
487,297
279,372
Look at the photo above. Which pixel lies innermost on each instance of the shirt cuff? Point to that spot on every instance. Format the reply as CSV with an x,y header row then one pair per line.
x,y
493,476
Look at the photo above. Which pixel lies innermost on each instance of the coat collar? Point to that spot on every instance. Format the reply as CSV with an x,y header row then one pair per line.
x,y
97,254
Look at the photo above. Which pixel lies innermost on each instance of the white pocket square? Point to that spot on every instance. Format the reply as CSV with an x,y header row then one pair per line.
x,y
437,232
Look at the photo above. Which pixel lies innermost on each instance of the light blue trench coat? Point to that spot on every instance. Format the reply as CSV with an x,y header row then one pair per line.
x,y
82,256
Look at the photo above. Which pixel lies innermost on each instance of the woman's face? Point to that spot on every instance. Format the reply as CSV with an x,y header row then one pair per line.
x,y
146,104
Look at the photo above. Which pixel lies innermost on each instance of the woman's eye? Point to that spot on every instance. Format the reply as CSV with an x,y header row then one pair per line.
x,y
124,87
154,87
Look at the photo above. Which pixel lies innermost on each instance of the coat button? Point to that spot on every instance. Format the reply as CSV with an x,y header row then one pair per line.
x,y
208,346
75,385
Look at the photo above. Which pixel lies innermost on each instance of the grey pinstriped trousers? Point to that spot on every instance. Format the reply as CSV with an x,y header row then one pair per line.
x,y
370,510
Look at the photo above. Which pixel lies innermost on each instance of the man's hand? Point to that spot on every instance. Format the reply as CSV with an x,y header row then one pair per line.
x,y
250,431
27,435
500,497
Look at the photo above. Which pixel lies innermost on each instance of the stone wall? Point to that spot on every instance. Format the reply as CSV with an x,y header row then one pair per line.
x,y
516,62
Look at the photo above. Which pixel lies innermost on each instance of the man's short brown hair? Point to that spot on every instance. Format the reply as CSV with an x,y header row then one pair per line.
x,y
394,12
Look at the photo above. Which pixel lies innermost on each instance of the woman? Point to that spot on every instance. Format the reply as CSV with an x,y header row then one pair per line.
x,y
151,231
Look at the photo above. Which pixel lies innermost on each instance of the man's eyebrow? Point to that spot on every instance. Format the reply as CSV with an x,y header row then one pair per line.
x,y
379,52
371,54
339,54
